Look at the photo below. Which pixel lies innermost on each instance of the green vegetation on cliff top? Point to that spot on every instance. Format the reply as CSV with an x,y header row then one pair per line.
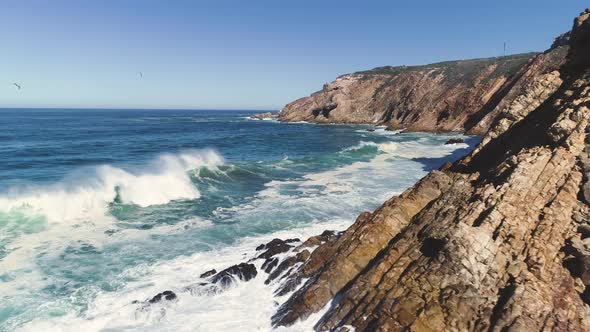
x,y
506,64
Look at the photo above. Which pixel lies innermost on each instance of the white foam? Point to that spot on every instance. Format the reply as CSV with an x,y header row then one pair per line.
x,y
76,209
263,119
246,307
56,239
416,149
361,145
411,149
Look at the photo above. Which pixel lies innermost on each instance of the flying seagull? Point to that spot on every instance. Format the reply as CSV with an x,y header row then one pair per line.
x,y
17,85
140,75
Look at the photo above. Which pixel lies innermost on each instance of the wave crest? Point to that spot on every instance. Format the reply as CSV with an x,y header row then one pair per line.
x,y
88,191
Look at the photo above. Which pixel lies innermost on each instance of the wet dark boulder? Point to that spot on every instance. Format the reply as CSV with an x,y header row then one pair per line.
x,y
584,231
286,264
270,264
454,141
275,242
242,271
275,247
292,282
208,273
165,295
326,236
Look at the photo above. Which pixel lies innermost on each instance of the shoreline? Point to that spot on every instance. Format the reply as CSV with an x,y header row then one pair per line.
x,y
328,187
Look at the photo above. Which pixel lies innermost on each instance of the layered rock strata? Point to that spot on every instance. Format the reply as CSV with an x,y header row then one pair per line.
x,y
448,96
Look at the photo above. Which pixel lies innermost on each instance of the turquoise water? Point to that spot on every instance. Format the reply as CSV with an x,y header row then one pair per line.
x,y
100,207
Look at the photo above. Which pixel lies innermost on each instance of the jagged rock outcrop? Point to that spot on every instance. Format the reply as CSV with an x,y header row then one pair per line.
x,y
165,295
242,271
497,241
446,96
454,141
561,40
207,274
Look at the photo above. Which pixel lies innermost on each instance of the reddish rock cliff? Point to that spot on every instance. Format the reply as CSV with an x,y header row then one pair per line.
x,y
447,96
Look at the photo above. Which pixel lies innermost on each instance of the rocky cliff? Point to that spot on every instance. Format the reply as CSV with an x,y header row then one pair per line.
x,y
447,96
498,241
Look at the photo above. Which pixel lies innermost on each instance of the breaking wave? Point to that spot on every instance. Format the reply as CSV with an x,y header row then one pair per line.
x,y
88,192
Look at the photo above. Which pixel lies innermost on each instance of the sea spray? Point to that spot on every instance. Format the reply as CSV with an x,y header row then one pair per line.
x,y
87,193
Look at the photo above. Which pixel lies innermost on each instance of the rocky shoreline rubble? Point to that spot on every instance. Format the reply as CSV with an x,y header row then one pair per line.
x,y
279,260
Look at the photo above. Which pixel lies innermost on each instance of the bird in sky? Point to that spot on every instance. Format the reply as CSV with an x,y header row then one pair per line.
x,y
140,75
17,85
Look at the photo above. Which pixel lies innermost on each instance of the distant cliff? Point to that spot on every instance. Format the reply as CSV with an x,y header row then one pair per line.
x,y
446,96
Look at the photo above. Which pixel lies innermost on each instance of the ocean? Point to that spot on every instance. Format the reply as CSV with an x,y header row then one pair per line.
x,y
101,208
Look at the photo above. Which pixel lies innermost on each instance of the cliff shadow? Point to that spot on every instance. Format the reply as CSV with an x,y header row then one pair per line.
x,y
525,134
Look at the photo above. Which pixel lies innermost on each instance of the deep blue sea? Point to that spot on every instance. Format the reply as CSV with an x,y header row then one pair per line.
x,y
99,208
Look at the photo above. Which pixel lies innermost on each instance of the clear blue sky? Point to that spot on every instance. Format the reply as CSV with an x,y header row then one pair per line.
x,y
243,54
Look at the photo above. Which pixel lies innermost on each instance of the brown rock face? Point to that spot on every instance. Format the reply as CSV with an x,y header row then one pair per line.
x,y
446,96
333,266
497,241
